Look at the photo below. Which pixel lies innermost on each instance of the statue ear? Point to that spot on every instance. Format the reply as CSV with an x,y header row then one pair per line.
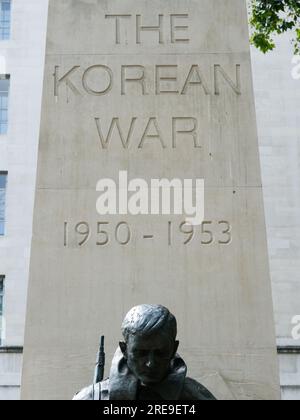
x,y
123,347
176,347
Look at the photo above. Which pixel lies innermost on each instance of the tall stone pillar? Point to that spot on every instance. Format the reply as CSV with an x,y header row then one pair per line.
x,y
160,89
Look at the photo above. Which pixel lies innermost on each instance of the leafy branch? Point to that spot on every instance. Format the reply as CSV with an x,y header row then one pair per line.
x,y
274,17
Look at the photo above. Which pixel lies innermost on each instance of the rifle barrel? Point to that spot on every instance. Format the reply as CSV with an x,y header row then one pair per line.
x,y
100,363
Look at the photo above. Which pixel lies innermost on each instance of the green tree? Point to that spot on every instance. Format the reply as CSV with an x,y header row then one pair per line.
x,y
272,17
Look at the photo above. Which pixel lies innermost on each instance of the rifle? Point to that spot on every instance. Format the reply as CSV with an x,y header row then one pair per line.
x,y
100,363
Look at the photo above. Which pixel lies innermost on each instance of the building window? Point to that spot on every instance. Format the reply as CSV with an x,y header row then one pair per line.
x,y
4,92
3,180
1,309
5,7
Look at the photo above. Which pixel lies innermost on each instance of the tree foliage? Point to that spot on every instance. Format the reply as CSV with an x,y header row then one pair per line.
x,y
272,17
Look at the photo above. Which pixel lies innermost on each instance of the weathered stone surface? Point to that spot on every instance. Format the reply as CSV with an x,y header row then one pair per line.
x,y
217,285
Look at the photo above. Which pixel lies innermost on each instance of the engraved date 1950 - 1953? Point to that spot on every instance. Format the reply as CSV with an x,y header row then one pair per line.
x,y
104,233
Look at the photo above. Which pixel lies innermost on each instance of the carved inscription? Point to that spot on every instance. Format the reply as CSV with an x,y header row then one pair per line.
x,y
103,233
139,133
172,28
195,80
105,80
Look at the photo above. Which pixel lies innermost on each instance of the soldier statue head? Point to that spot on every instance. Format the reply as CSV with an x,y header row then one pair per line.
x,y
146,365
150,342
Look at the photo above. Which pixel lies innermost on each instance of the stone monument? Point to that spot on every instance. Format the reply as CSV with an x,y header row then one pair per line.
x,y
137,92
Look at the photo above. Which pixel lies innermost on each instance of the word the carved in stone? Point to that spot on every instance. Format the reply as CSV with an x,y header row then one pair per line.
x,y
176,23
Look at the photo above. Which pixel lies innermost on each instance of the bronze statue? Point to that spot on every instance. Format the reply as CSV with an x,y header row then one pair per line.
x,y
146,365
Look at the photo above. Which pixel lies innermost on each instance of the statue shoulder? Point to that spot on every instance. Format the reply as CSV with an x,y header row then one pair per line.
x,y
85,394
194,391
99,391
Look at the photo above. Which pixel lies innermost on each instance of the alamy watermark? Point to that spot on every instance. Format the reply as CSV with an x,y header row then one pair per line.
x,y
3,68
296,67
296,329
159,197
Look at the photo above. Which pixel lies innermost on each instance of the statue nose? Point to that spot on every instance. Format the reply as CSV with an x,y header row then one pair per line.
x,y
150,362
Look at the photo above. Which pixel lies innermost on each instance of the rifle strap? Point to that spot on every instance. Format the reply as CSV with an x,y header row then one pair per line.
x,y
96,392
104,390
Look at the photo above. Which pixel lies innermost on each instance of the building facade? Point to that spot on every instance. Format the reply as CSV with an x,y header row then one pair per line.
x,y
277,91
22,45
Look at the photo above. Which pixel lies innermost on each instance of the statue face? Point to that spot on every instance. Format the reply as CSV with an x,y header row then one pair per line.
x,y
149,357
